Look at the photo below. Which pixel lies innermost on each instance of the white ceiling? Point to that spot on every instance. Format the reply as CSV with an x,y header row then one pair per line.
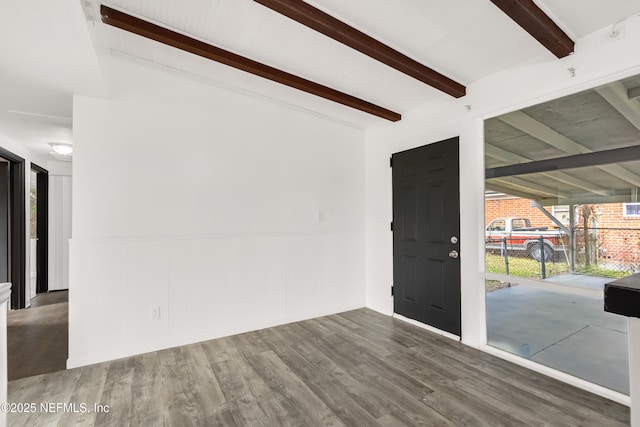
x,y
46,55
48,51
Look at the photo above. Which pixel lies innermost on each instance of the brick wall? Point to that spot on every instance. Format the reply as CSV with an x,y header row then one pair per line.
x,y
618,237
515,207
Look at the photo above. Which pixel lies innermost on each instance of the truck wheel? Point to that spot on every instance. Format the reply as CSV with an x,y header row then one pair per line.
x,y
536,253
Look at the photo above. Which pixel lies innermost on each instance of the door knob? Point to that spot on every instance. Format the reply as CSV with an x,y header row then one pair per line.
x,y
453,254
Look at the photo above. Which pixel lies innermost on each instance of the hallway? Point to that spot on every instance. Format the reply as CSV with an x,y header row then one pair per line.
x,y
37,337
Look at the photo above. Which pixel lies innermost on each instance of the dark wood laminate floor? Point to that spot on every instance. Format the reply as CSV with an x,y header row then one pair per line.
x,y
37,337
49,298
357,368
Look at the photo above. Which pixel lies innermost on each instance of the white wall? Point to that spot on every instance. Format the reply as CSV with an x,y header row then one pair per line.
x,y
225,211
59,168
60,219
60,196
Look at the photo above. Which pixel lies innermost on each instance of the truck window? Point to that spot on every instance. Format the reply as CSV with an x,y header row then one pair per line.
x,y
497,225
520,223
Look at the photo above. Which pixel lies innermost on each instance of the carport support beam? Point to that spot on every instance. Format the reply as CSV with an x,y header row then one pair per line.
x,y
549,215
569,231
572,238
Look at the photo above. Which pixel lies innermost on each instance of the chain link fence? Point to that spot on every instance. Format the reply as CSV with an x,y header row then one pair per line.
x,y
608,251
604,252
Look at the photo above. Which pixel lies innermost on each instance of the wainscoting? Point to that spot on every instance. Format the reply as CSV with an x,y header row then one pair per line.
x,y
135,296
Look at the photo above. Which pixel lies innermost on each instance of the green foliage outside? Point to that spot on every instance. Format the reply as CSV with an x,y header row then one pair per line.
x,y
528,267
594,270
33,213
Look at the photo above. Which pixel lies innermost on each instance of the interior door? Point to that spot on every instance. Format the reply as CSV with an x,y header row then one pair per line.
x,y
426,229
42,228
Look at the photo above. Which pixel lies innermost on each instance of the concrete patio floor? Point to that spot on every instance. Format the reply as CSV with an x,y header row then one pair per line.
x,y
568,332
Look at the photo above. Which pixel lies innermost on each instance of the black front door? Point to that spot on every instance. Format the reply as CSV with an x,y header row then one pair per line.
x,y
426,229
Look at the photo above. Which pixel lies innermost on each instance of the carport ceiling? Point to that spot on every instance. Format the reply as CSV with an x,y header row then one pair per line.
x,y
598,120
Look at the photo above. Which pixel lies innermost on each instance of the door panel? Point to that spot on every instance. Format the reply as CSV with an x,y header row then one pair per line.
x,y
436,291
410,217
426,214
409,268
435,214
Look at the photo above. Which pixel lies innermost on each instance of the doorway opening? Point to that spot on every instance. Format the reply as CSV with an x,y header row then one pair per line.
x,y
37,336
39,230
13,226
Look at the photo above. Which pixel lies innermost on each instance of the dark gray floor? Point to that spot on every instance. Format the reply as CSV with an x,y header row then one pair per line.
x,y
358,368
37,337
567,332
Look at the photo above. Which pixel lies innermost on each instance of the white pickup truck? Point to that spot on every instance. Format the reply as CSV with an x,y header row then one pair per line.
x,y
517,235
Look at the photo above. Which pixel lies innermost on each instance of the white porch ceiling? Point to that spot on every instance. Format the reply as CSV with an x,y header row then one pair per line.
x,y
466,40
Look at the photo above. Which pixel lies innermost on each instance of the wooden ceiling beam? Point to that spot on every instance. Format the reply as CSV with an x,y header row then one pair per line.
x,y
538,24
326,24
180,41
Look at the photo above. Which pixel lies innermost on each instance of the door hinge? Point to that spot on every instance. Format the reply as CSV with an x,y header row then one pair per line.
x,y
391,290
391,226
390,162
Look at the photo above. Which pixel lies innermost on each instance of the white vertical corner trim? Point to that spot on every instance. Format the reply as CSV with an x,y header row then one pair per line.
x,y
634,370
472,231
5,293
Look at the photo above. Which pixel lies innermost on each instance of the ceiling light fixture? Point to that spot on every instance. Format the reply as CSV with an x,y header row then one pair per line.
x,y
62,149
